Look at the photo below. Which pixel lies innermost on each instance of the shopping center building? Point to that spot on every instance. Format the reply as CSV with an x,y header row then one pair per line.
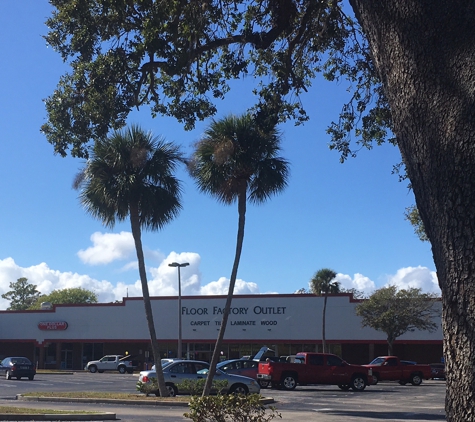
x,y
67,336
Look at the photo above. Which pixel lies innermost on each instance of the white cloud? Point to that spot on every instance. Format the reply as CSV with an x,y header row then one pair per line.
x,y
221,287
108,247
163,279
417,277
358,282
47,280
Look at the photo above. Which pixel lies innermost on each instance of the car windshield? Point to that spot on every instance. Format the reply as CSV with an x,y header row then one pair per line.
x,y
20,361
377,361
229,364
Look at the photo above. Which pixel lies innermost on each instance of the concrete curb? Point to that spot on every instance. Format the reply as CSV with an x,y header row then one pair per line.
x,y
54,373
264,400
105,416
105,401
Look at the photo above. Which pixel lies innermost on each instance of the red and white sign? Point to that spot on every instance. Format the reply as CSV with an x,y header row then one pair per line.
x,y
52,325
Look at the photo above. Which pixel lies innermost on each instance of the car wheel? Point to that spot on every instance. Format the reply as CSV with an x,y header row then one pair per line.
x,y
31,377
93,369
416,379
358,383
8,375
172,390
239,389
122,370
289,382
402,382
263,384
375,379
344,387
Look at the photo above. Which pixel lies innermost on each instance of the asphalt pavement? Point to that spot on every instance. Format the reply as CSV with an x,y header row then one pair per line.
x,y
382,402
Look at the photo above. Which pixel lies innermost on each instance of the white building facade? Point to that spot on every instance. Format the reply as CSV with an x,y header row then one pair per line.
x,y
67,336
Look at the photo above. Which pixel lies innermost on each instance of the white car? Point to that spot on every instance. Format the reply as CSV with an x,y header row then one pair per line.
x,y
180,370
165,362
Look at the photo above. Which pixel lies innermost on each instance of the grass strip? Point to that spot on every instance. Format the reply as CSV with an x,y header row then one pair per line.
x,y
11,410
103,395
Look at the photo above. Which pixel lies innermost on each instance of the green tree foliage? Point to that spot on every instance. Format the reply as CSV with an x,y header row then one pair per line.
x,y
395,312
22,295
130,175
74,295
413,216
301,291
178,57
409,66
322,284
237,160
357,294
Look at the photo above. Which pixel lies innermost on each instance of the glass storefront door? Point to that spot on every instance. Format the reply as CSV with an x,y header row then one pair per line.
x,y
66,359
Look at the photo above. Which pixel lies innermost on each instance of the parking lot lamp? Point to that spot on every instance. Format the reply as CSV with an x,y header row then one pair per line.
x,y
176,264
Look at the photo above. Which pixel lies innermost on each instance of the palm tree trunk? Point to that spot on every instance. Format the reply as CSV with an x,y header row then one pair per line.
x,y
232,282
324,348
137,235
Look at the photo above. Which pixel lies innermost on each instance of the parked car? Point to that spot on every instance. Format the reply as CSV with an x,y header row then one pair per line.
x,y
17,367
180,370
121,363
165,362
315,368
438,370
246,368
390,368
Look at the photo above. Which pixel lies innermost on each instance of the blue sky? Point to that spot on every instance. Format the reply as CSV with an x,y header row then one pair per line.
x,y
348,217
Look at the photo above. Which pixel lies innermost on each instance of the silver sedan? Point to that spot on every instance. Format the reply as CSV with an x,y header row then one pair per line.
x,y
193,370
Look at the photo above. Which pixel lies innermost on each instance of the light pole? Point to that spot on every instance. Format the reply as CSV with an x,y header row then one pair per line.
x,y
176,264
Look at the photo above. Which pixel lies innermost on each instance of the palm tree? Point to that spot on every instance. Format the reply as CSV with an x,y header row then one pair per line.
x,y
130,174
237,160
322,284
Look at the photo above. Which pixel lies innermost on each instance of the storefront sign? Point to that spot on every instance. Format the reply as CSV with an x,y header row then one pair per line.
x,y
53,325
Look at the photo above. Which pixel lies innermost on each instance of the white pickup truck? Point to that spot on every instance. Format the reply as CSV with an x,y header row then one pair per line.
x,y
119,363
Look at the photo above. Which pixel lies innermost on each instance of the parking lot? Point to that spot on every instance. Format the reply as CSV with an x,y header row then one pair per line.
x,y
382,402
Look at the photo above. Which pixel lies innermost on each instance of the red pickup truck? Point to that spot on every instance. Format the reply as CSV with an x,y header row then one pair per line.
x,y
390,368
315,368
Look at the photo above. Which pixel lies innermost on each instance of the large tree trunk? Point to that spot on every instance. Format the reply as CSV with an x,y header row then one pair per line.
x,y
232,282
424,51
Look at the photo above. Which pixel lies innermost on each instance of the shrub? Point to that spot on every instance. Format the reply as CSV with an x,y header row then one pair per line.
x,y
147,388
230,408
193,387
